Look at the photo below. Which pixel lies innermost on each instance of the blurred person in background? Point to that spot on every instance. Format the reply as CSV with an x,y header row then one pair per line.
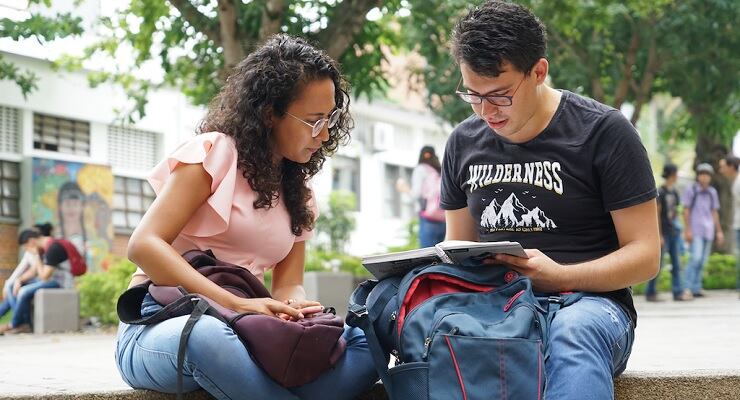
x,y
701,226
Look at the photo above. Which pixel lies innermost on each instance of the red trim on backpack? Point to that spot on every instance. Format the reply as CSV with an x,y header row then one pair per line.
x,y
513,298
457,368
429,285
539,372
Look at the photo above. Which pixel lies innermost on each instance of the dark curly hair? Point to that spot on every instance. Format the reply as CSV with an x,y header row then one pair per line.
x,y
498,32
265,82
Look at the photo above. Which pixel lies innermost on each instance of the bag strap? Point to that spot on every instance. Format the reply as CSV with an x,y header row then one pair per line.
x,y
554,304
359,317
200,307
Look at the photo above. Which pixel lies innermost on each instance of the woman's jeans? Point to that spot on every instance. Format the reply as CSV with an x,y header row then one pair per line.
x,y
700,249
590,343
22,309
430,232
671,244
218,361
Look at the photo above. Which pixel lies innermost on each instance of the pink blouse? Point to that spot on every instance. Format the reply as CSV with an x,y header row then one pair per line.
x,y
227,223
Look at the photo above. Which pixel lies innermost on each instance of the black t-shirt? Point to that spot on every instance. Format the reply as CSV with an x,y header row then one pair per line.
x,y
669,201
55,254
554,192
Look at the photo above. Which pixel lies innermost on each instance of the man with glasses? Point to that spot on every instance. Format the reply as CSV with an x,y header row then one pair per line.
x,y
565,176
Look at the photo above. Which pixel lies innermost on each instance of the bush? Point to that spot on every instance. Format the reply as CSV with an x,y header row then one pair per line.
x,y
720,272
320,260
99,291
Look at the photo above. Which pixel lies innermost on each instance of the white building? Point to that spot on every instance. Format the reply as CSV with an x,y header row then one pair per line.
x,y
67,121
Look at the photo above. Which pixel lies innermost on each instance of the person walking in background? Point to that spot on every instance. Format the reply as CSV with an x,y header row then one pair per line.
x,y
425,189
728,167
670,234
701,221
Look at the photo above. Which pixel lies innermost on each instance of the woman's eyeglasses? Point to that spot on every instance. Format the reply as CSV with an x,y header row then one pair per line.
x,y
317,126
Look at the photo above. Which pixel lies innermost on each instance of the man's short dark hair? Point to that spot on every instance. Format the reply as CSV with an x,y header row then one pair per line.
x,y
732,161
495,33
26,235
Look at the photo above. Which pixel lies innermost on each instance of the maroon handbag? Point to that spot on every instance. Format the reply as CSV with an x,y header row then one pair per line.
x,y
293,353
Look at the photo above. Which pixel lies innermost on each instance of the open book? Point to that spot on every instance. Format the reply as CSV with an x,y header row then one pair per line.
x,y
450,251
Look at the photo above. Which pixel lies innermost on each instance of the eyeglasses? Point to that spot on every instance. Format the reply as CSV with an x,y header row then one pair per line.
x,y
495,99
317,126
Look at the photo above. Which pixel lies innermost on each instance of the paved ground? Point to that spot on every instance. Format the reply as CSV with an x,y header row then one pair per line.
x,y
699,337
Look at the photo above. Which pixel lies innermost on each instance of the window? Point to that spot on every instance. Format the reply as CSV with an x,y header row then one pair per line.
x,y
345,175
9,129
397,205
61,135
131,198
132,149
9,189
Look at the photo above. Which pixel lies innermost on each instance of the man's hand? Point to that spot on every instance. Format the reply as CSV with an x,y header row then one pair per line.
x,y
546,275
688,235
720,238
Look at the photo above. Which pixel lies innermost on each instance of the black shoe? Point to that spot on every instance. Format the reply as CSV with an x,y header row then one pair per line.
x,y
653,298
700,294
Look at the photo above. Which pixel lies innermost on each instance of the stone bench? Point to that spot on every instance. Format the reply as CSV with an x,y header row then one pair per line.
x,y
56,310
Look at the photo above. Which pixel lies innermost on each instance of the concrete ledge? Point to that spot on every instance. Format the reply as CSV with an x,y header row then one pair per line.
x,y
702,385
56,310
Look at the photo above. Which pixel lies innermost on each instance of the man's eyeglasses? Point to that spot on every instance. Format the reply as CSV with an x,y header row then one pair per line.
x,y
495,99
317,126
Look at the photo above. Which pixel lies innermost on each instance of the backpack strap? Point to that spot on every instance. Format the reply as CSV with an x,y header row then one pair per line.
x,y
360,317
554,304
200,307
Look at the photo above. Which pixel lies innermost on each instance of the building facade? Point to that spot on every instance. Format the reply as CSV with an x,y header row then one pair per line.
x,y
65,158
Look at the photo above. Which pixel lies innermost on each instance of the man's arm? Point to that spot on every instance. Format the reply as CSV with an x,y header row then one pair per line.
x,y
686,225
718,228
460,225
636,260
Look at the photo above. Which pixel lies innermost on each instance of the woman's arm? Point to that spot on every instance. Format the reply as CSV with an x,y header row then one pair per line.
x,y
187,188
287,280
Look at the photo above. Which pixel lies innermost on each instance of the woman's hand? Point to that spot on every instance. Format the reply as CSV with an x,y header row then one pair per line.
x,y
267,306
306,307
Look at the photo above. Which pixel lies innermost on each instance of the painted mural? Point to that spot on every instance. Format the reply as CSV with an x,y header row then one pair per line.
x,y
77,199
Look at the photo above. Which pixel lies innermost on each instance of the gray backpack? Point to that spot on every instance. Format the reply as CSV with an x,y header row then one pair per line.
x,y
468,332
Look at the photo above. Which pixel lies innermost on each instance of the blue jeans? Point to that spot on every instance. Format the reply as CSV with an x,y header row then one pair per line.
x,y
22,310
9,301
217,361
672,244
430,232
700,249
590,343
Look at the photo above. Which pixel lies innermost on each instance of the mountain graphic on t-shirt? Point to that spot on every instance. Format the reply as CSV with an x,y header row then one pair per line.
x,y
512,214
489,214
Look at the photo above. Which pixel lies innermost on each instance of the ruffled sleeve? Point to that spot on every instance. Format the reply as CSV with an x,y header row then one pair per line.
x,y
217,153
305,235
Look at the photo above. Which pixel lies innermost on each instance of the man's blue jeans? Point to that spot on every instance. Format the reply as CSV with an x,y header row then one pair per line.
x,y
590,343
700,249
217,361
430,232
22,311
672,244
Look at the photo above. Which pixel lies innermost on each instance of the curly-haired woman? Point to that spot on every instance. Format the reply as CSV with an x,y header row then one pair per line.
x,y
240,188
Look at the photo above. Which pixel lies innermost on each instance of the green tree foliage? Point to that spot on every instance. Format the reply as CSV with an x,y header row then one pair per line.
x,y
614,52
197,42
99,291
39,27
337,222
